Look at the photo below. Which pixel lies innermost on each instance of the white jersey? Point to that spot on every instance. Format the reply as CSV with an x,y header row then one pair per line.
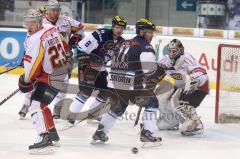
x,y
189,66
66,26
45,57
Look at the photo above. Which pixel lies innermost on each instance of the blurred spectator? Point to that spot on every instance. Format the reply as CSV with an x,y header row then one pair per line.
x,y
234,14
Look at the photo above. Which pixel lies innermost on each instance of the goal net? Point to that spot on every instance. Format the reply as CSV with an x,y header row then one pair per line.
x,y
228,84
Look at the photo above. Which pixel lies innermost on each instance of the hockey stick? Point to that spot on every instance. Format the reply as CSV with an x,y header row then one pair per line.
x,y
9,96
90,115
8,70
138,115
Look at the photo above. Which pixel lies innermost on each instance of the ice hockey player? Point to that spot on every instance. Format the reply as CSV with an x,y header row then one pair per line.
x,y
132,77
72,31
98,46
40,66
26,103
191,86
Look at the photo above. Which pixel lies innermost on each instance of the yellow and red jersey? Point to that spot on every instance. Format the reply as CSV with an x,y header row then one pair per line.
x,y
44,55
66,26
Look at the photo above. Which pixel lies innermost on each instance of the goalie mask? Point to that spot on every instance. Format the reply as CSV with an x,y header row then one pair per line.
x,y
175,50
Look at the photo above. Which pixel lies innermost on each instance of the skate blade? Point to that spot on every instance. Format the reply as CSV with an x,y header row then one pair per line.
x,y
92,121
42,151
56,144
169,129
97,142
151,144
22,117
185,133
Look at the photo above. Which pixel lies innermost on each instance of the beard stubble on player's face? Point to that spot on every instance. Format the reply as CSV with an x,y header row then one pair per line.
x,y
53,14
117,31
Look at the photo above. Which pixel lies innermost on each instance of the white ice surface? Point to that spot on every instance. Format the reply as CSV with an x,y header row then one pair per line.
x,y
218,142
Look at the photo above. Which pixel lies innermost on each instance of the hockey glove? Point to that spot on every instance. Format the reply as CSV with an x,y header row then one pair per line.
x,y
24,86
73,42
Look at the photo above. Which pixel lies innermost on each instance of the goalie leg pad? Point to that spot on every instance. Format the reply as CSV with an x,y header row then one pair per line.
x,y
181,108
191,123
168,119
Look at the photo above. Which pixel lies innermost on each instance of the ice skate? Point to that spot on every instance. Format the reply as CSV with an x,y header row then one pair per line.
x,y
44,146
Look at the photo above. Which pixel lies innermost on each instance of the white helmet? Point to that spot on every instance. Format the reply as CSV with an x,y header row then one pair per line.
x,y
52,4
32,15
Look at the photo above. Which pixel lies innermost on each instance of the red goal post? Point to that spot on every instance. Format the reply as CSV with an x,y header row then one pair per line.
x,y
227,104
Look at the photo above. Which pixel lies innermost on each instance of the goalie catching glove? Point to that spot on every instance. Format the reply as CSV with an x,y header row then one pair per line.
x,y
24,86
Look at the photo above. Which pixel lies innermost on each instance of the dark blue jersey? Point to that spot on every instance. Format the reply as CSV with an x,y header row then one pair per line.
x,y
127,70
101,43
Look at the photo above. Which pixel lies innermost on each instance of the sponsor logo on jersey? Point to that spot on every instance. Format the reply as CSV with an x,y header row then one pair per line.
x,y
122,79
176,76
53,41
48,33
